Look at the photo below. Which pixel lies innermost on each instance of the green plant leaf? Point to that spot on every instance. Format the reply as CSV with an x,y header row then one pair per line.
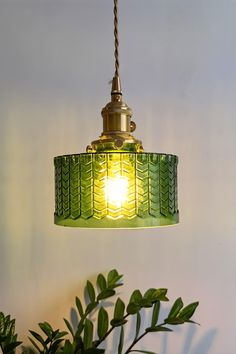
x,y
35,344
68,348
174,321
112,275
103,322
187,312
132,308
154,295
158,329
105,294
68,325
101,282
190,321
175,309
138,325
38,337
115,322
150,294
161,294
61,334
113,286
88,334
54,347
80,328
10,347
46,328
121,340
79,306
112,279
155,313
136,297
91,291
78,343
91,307
119,309
143,351
145,303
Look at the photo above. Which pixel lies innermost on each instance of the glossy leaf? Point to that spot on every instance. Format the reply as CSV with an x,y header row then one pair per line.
x,y
91,307
91,291
136,297
175,309
68,348
79,329
88,334
101,282
38,337
161,294
174,321
138,325
121,340
155,313
79,306
150,294
11,346
46,328
190,321
145,303
113,278
119,309
112,275
158,329
187,312
132,308
61,334
105,294
103,323
115,322
68,325
55,346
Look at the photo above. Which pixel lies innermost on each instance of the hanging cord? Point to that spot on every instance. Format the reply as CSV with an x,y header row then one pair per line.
x,y
117,64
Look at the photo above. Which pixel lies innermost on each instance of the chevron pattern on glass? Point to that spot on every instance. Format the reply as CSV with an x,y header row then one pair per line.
x,y
116,189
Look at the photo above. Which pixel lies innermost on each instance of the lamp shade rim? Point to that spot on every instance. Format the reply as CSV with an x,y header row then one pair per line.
x,y
146,153
108,223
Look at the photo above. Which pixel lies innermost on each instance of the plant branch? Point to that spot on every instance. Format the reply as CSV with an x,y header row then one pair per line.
x,y
134,342
108,332
138,339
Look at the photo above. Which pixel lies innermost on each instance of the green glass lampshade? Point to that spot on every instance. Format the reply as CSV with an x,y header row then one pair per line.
x,y
116,190
115,184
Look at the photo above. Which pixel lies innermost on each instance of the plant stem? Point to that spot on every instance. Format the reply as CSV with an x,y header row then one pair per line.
x,y
134,342
137,340
108,332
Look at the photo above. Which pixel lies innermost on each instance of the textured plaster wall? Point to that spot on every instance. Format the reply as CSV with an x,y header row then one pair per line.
x,y
179,76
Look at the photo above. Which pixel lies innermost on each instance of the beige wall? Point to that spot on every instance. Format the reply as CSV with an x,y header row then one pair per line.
x,y
178,73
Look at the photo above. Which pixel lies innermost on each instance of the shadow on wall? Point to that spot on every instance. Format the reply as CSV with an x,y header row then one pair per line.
x,y
203,346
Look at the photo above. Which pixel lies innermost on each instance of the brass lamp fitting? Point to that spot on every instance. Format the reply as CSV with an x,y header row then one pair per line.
x,y
117,125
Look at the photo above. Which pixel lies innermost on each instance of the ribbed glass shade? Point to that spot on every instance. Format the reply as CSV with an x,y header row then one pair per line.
x,y
116,190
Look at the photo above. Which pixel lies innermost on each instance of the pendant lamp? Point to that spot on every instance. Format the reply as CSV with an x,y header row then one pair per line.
x,y
115,184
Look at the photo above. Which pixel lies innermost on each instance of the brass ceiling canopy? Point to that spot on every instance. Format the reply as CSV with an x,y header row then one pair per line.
x,y
115,184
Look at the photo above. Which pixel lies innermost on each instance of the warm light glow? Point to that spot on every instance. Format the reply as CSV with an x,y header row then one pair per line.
x,y
116,191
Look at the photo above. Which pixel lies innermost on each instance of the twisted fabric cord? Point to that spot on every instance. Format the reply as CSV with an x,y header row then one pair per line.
x,y
117,64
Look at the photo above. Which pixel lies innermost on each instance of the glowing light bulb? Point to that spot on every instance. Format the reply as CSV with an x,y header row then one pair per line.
x,y
116,191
